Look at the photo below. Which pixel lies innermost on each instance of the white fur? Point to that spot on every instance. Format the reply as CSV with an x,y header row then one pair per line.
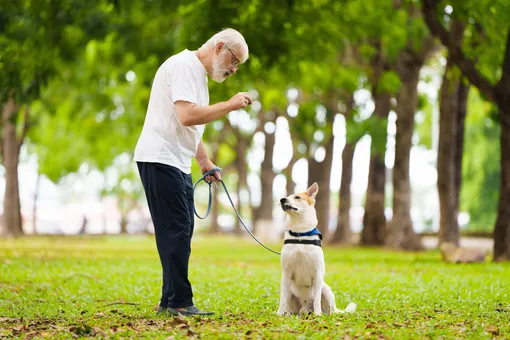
x,y
302,288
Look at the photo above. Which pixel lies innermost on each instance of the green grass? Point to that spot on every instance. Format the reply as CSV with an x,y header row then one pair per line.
x,y
108,286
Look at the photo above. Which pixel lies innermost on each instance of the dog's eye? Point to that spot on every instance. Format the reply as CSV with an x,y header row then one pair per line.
x,y
297,197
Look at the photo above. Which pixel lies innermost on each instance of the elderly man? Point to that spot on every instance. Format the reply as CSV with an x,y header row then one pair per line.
x,y
171,136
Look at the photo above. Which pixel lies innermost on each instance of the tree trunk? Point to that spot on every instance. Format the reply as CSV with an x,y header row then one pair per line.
x,y
461,119
123,224
400,230
242,172
374,220
320,172
502,228
215,209
452,110
267,175
34,208
215,213
12,223
446,157
500,94
290,186
84,224
343,227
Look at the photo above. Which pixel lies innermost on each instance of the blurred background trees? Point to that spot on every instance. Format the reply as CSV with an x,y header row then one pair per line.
x,y
398,109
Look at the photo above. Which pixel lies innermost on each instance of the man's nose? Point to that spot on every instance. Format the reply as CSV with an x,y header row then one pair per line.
x,y
283,200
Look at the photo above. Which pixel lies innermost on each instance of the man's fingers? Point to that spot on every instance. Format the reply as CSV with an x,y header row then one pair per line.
x,y
247,96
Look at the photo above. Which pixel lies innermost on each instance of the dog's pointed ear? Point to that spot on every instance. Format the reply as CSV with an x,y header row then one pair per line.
x,y
313,190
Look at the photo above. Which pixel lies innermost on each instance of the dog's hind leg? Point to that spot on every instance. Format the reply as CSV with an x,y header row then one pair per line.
x,y
328,303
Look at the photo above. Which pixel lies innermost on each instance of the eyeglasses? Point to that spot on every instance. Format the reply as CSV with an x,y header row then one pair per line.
x,y
235,62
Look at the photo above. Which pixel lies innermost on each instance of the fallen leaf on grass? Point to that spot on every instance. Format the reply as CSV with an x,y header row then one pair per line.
x,y
11,320
178,321
492,330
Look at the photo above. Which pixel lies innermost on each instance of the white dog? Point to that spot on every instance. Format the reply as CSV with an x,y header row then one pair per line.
x,y
302,284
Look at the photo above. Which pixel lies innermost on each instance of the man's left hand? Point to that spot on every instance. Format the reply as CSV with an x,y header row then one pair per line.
x,y
215,177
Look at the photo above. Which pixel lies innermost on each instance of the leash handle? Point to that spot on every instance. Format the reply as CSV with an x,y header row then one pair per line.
x,y
208,173
209,205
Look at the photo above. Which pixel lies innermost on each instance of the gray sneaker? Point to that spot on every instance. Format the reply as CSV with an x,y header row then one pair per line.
x,y
162,309
190,311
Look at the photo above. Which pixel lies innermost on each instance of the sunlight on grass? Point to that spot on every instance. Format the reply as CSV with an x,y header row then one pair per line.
x,y
109,286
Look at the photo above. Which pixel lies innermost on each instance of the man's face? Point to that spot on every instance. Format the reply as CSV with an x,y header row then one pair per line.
x,y
224,64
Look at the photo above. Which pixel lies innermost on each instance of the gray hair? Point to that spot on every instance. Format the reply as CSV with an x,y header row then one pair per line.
x,y
232,39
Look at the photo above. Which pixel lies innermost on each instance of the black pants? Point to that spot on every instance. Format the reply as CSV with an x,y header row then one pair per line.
x,y
169,194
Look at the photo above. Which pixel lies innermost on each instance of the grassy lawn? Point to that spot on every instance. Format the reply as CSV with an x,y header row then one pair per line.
x,y
108,286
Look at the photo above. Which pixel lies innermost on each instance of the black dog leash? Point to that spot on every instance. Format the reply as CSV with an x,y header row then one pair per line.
x,y
210,173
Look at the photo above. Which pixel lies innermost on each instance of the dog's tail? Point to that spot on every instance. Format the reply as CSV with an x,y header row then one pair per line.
x,y
351,308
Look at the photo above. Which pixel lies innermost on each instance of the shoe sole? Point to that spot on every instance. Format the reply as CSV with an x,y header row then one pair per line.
x,y
176,313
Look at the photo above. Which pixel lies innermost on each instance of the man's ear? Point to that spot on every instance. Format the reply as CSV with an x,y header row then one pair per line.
x,y
219,47
313,190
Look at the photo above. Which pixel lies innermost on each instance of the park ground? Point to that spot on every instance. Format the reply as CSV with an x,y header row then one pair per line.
x,y
108,286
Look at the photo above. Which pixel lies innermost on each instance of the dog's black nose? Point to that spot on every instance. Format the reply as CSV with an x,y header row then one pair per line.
x,y
283,200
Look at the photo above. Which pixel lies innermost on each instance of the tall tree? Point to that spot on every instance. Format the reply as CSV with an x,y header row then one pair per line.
x,y
410,60
33,35
374,219
452,112
493,84
343,230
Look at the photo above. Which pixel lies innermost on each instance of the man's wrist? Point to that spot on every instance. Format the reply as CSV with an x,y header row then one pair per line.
x,y
202,162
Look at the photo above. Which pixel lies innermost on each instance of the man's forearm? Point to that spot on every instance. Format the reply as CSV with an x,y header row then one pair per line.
x,y
201,156
197,115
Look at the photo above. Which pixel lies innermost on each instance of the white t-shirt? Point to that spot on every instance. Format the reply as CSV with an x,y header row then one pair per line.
x,y
164,139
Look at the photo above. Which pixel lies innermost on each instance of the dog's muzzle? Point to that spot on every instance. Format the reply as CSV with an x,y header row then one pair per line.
x,y
285,205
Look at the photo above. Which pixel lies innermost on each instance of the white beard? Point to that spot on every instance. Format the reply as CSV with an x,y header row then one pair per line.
x,y
219,71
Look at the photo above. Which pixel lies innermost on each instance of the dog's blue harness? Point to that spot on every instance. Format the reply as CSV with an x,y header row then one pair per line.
x,y
312,232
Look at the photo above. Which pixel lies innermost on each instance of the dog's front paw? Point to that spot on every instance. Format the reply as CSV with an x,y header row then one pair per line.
x,y
281,312
317,309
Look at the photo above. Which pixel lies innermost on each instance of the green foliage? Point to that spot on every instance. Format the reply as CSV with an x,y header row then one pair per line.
x,y
481,165
486,28
33,34
423,121
389,82
109,287
376,128
86,69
